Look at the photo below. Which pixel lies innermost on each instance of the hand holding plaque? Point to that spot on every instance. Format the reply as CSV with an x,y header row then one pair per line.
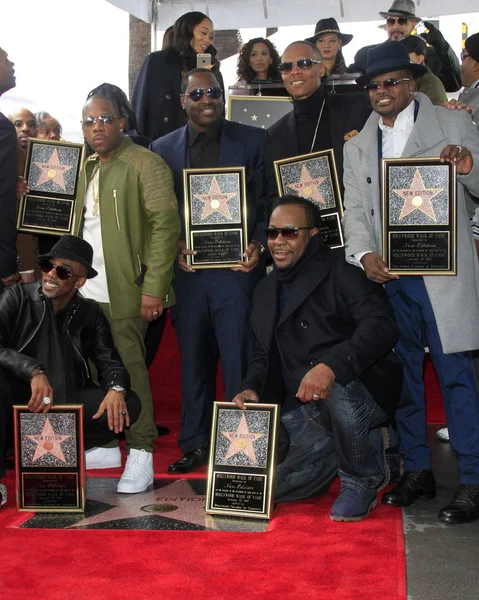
x,y
215,216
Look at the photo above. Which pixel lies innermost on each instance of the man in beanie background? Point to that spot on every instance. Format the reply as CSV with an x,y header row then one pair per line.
x,y
48,333
401,20
439,312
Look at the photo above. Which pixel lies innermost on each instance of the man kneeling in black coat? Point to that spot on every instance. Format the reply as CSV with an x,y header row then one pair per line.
x,y
324,335
47,335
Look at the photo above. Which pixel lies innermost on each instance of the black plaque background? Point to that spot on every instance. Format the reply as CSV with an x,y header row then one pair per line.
x,y
54,214
421,263
69,471
63,490
251,487
330,230
216,246
238,472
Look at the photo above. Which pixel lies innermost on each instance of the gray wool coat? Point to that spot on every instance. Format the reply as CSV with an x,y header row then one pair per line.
x,y
454,299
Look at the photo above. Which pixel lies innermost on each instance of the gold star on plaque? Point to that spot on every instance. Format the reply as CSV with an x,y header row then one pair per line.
x,y
308,186
48,442
254,117
242,440
52,171
268,116
418,197
215,200
245,110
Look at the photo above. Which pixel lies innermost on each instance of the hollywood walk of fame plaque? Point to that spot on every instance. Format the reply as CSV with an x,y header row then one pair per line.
x,y
258,111
49,459
314,177
52,170
242,460
419,216
215,216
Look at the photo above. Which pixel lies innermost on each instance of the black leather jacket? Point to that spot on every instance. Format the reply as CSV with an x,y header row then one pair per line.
x,y
25,315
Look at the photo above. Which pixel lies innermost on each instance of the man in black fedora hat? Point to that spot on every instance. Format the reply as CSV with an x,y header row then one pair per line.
x,y
48,333
441,313
401,20
329,40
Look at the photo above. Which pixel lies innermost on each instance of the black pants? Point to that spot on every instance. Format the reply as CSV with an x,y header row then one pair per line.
x,y
96,431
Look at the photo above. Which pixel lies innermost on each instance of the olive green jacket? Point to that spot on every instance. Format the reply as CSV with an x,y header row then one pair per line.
x,y
139,225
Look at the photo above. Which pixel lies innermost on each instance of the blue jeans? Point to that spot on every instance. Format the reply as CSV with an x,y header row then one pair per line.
x,y
338,435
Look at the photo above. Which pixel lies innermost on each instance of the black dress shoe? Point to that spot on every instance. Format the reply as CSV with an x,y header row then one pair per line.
x,y
162,430
411,486
190,461
464,506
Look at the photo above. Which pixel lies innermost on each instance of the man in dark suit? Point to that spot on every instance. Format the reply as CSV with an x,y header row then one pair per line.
x,y
8,180
317,121
213,305
324,335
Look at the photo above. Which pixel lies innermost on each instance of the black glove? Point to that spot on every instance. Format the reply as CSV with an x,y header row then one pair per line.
x,y
434,37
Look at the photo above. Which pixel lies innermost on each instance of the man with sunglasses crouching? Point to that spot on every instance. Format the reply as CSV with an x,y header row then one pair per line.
x,y
435,311
48,333
324,335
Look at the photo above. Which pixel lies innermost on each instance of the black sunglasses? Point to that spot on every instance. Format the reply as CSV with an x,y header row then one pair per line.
x,y
212,92
302,63
104,120
288,233
63,272
400,20
387,84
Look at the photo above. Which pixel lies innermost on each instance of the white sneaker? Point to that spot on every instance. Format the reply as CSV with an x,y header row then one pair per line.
x,y
102,458
138,473
443,434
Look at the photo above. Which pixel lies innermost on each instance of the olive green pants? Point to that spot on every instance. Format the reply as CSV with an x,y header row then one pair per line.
x,y
128,337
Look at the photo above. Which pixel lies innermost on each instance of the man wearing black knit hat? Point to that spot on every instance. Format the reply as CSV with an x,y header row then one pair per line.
x,y
48,333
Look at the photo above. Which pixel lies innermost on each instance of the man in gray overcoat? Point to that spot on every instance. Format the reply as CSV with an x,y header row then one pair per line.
x,y
439,312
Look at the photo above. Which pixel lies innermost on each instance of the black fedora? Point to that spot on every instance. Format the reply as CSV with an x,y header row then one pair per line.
x,y
329,25
389,56
402,8
73,248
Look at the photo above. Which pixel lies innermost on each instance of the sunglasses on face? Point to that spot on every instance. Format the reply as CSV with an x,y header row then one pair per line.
x,y
288,233
212,92
399,20
104,120
387,84
302,64
63,272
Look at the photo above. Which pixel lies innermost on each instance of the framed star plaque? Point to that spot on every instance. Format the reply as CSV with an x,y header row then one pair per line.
x,y
258,111
242,460
215,216
49,459
419,216
315,178
52,170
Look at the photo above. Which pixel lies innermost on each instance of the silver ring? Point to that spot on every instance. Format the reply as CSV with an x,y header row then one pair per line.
x,y
46,400
123,413
317,396
460,147
156,312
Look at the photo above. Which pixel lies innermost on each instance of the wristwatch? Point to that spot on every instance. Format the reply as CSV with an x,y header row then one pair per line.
x,y
117,388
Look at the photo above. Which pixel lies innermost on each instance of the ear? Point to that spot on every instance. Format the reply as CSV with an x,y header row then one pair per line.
x,y
182,99
80,282
322,70
412,86
313,232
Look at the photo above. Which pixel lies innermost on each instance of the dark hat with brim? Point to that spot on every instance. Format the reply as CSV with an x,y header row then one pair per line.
x,y
387,57
472,46
329,25
402,8
74,248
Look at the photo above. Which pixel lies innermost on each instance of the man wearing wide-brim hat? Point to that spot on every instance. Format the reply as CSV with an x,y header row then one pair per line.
x,y
435,311
329,40
401,20
48,334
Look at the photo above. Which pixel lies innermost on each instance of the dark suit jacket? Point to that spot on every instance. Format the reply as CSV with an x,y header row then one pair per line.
x,y
156,97
8,182
346,112
241,145
333,315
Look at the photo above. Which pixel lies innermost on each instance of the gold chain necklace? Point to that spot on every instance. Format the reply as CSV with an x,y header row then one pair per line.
x,y
95,189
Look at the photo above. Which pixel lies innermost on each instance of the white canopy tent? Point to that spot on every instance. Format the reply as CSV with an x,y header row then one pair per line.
x,y
236,14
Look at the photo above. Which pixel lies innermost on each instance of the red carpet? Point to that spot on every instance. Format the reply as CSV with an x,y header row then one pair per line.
x,y
303,556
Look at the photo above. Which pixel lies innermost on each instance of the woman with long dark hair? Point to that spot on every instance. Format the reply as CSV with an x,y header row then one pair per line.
x,y
258,60
329,40
156,97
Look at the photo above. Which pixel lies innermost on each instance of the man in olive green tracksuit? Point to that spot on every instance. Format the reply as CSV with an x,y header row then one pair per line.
x,y
127,210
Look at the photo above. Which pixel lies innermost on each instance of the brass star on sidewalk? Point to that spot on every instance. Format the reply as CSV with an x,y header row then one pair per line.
x,y
308,186
52,171
242,440
48,442
418,197
215,201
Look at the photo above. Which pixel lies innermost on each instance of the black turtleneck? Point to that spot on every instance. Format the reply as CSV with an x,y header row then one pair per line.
x,y
307,113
